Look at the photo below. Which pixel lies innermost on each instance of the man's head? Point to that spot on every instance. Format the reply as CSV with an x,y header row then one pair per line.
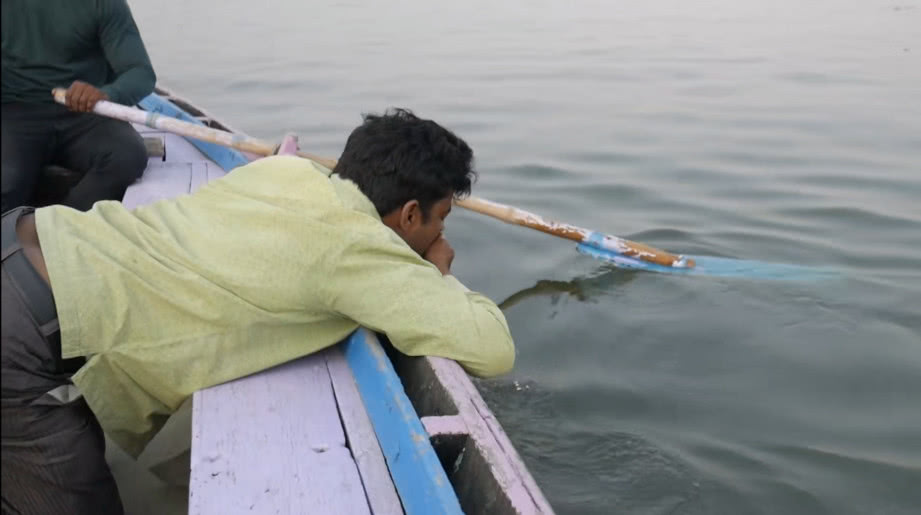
x,y
411,169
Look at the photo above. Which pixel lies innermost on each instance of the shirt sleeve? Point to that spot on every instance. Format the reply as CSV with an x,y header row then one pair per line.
x,y
125,52
389,289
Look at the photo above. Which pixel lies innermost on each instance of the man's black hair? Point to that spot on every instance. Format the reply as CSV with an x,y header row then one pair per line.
x,y
397,157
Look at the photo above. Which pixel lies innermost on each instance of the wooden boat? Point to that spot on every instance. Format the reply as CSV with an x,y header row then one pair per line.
x,y
357,428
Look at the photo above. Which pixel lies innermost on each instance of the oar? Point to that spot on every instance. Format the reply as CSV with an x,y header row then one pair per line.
x,y
189,130
609,247
594,239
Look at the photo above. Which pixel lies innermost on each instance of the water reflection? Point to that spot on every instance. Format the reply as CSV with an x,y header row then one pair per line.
x,y
583,288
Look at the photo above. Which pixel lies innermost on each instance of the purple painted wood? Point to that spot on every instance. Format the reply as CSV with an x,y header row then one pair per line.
x,y
200,175
490,439
445,425
215,172
362,441
160,180
288,145
417,472
273,443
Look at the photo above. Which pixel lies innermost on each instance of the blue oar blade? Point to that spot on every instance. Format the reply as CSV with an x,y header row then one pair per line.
x,y
714,266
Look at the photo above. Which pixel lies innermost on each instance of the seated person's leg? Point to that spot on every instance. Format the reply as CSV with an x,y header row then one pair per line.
x,y
54,461
26,147
109,153
53,451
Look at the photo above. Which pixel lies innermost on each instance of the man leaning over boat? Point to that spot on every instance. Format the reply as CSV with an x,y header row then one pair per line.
x,y
276,260
95,50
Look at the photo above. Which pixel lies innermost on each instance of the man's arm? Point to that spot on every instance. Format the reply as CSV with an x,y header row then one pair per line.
x,y
388,288
125,52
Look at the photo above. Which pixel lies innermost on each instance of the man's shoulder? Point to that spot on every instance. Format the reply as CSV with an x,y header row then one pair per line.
x,y
289,183
280,169
283,164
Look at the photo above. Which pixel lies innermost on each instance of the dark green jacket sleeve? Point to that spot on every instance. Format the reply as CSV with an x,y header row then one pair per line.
x,y
124,50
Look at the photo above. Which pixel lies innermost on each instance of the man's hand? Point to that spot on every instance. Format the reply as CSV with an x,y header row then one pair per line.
x,y
82,97
440,254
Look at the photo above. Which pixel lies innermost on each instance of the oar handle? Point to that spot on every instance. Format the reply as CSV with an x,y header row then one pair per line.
x,y
502,212
189,130
169,124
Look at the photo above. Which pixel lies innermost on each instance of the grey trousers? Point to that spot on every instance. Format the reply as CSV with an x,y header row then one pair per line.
x,y
53,453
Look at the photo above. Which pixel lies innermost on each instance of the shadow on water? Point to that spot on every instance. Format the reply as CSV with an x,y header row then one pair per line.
x,y
583,288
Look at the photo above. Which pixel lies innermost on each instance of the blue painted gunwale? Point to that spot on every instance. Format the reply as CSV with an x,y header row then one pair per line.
x,y
421,482
226,158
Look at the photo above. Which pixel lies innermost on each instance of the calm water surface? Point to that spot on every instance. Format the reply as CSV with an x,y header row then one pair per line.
x,y
783,131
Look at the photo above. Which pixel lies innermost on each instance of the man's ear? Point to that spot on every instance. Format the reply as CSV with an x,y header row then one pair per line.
x,y
410,215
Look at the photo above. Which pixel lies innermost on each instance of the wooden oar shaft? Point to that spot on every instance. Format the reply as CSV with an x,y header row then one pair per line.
x,y
502,212
516,216
325,161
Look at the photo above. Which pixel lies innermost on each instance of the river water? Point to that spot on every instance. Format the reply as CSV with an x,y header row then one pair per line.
x,y
781,131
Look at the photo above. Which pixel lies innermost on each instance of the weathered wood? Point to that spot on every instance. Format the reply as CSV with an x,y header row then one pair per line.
x,y
192,110
226,158
360,437
273,443
415,468
215,172
155,147
160,181
200,176
486,471
445,425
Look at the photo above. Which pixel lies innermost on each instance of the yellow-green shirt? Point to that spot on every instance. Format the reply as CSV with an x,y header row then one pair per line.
x,y
274,261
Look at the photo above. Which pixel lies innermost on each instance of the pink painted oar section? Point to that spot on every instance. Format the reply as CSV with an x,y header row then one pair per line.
x,y
288,145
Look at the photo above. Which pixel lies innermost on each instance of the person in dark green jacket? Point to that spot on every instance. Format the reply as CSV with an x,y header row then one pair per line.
x,y
94,49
